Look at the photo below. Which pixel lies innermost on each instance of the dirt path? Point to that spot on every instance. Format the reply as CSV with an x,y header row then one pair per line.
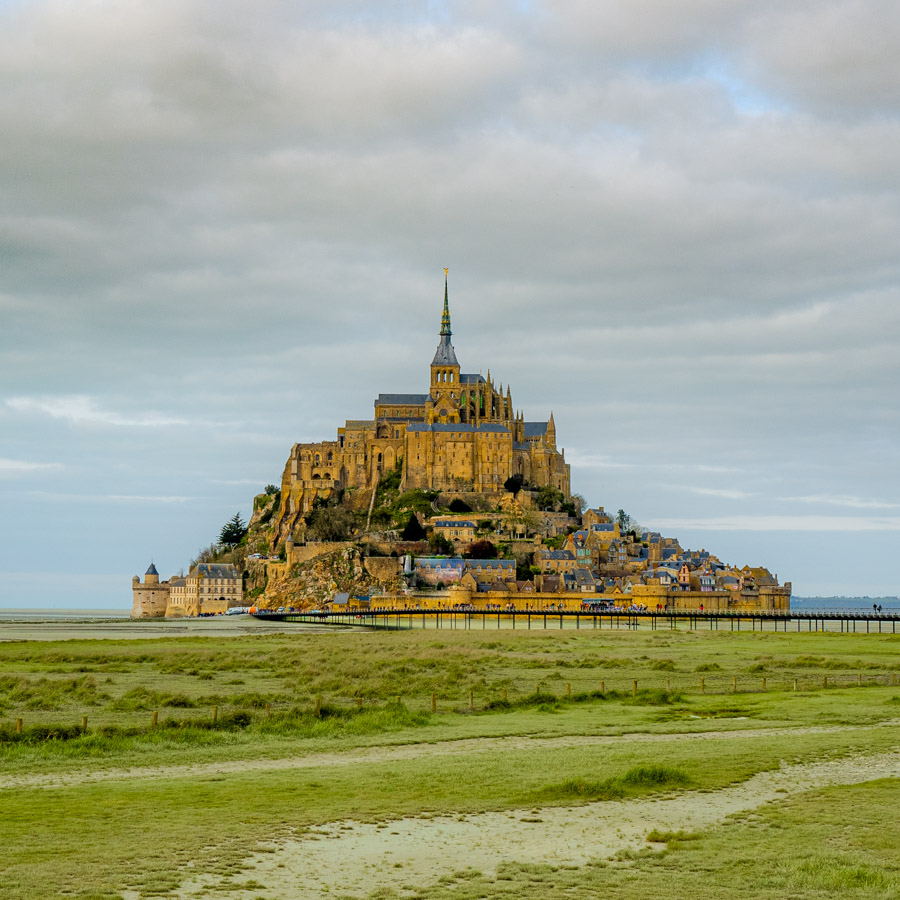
x,y
398,753
353,859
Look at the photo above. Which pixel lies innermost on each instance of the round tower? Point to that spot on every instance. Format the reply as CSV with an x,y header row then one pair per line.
x,y
152,576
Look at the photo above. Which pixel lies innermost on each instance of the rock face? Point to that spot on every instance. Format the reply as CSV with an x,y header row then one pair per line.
x,y
316,581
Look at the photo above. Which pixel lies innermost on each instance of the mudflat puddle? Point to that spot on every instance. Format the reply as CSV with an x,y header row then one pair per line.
x,y
353,859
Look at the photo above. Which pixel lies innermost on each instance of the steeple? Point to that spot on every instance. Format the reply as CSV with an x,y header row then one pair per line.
x,y
445,355
445,316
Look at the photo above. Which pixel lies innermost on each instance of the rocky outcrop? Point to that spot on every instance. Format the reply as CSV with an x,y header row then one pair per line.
x,y
314,583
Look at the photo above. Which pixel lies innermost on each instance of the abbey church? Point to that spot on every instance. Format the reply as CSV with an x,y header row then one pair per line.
x,y
463,435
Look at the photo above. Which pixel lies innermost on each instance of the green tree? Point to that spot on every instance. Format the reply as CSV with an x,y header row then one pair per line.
x,y
413,530
548,498
329,523
271,489
481,550
439,545
514,483
233,531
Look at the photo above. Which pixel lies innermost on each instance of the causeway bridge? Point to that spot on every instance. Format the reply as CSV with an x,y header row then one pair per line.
x,y
848,621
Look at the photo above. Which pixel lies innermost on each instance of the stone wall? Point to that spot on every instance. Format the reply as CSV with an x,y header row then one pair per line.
x,y
149,601
384,569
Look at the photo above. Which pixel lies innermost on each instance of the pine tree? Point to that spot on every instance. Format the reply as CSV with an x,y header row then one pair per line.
x,y
233,531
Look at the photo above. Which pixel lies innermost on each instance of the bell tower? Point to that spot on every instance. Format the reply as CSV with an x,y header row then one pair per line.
x,y
445,387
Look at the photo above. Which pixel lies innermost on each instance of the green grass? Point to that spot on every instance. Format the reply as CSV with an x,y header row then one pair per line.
x,y
140,829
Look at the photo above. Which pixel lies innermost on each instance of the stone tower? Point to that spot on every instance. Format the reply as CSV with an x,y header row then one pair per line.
x,y
444,389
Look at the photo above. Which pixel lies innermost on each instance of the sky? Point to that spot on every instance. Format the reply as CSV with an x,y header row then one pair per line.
x,y
223,228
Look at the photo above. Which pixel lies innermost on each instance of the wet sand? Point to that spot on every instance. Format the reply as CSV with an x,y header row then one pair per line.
x,y
16,628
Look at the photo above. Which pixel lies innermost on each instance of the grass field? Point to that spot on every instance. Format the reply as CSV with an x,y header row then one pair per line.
x,y
337,730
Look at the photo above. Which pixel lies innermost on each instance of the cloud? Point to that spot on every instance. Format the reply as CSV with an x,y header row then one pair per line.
x,y
842,500
78,409
725,493
111,498
22,466
780,523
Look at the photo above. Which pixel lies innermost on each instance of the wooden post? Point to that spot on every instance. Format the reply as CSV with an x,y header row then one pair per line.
x,y
634,689
398,701
268,711
568,689
215,714
734,684
359,702
824,681
668,684
893,677
433,702
504,693
537,690
317,707
859,679
84,723
471,700
602,687
155,717
795,684
702,686
18,726
764,682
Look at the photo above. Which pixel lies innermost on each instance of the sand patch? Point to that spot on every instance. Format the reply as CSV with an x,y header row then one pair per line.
x,y
401,753
353,859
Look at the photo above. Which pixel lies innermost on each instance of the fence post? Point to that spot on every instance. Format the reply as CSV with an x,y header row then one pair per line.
x,y
668,684
215,714
155,717
398,701
602,687
359,702
702,686
568,689
317,707
764,682
824,681
634,689
18,726
433,702
504,693
734,684
537,689
268,711
84,723
795,684
859,679
471,700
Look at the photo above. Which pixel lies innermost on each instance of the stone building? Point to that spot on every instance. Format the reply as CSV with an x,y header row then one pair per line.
x,y
150,599
462,435
209,588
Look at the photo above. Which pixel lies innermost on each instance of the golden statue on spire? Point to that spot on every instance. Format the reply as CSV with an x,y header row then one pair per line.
x,y
446,270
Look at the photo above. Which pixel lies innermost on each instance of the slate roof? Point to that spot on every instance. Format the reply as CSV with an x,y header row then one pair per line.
x,y
215,570
451,523
404,399
492,427
556,554
445,355
152,570
490,564
433,562
471,378
535,429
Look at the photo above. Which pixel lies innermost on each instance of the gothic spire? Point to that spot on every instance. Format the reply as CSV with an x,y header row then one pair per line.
x,y
445,316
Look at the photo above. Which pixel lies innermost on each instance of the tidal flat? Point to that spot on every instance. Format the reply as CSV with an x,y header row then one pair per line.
x,y
451,764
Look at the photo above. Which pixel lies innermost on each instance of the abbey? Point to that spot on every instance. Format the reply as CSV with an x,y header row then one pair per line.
x,y
462,435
